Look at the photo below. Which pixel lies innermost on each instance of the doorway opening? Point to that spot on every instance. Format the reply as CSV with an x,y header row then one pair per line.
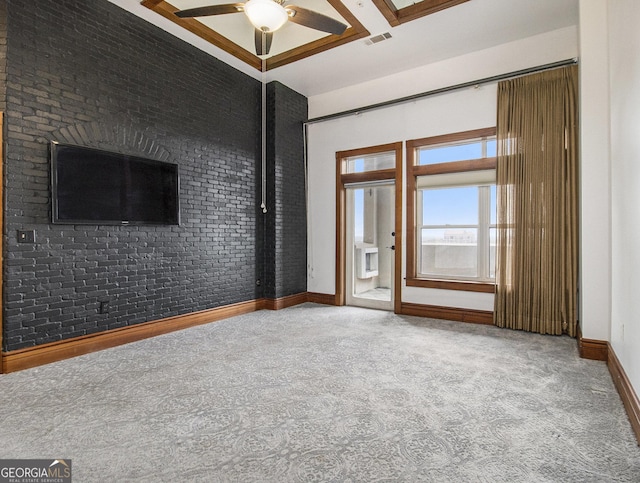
x,y
370,243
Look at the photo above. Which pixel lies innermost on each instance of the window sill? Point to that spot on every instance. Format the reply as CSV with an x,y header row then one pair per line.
x,y
483,287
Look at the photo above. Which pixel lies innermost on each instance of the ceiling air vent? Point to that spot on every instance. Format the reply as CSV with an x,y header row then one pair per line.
x,y
377,38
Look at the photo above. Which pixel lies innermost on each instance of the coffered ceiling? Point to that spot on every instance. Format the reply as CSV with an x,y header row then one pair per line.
x,y
383,36
235,34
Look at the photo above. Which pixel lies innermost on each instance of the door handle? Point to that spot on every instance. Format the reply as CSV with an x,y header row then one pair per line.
x,y
392,247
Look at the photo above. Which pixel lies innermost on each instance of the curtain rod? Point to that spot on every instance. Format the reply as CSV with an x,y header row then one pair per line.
x,y
442,90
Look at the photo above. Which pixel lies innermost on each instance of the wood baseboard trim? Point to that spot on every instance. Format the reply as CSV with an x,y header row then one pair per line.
x,y
448,313
284,302
600,350
596,350
625,389
56,351
321,298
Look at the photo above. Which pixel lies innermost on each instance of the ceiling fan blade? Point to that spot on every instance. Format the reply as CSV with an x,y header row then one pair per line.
x,y
211,10
315,20
263,42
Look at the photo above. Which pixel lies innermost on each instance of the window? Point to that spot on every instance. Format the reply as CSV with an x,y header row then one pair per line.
x,y
452,211
369,162
457,151
454,226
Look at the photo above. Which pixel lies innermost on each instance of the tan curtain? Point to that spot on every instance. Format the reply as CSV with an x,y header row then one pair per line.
x,y
537,203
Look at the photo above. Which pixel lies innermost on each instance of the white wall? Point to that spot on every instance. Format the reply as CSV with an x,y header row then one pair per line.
x,y
538,50
456,111
595,194
624,61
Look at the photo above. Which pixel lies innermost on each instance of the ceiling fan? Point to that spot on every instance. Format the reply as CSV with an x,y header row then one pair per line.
x,y
267,16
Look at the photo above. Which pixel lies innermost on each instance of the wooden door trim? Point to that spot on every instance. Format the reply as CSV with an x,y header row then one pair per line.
x,y
371,176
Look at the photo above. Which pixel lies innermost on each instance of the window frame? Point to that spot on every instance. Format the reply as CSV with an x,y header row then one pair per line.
x,y
413,172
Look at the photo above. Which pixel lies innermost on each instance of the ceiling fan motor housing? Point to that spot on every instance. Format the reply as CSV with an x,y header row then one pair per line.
x,y
266,15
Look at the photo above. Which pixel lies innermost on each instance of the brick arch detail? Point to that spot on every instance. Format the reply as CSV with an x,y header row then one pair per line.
x,y
121,138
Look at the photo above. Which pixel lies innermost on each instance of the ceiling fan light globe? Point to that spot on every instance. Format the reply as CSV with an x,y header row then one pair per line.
x,y
266,15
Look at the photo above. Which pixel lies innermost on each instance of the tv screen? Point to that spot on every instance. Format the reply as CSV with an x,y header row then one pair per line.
x,y
91,186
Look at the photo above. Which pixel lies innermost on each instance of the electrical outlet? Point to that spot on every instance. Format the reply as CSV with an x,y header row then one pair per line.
x,y
104,307
26,236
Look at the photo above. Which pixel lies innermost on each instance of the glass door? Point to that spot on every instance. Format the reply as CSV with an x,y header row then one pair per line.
x,y
370,244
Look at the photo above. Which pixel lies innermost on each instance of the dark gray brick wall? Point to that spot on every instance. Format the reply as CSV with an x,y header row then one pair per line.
x,y
89,73
3,55
286,224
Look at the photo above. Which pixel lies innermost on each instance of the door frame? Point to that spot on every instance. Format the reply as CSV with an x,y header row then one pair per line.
x,y
343,179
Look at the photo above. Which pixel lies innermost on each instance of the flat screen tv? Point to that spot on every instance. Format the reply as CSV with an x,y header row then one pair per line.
x,y
91,186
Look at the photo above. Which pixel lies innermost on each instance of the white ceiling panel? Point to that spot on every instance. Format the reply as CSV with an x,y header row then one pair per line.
x,y
468,27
